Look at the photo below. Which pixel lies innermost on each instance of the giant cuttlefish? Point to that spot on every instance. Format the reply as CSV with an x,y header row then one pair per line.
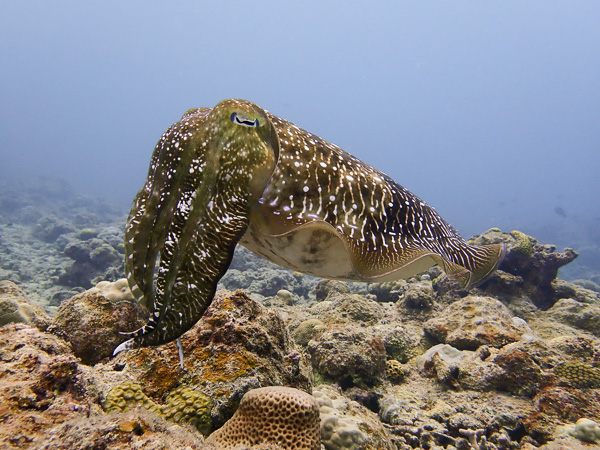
x,y
238,174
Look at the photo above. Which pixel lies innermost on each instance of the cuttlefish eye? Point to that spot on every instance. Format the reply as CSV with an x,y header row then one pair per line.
x,y
238,119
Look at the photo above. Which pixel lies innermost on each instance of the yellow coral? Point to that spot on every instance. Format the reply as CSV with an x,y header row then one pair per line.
x,y
189,406
395,371
128,396
227,367
579,375
184,405
524,244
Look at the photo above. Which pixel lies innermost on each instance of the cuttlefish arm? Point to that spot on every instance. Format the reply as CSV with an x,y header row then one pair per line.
x,y
205,173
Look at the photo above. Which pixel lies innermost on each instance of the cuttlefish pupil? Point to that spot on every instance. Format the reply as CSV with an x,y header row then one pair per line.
x,y
285,194
239,120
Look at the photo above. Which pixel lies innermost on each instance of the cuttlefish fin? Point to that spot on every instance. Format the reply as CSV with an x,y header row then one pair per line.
x,y
478,264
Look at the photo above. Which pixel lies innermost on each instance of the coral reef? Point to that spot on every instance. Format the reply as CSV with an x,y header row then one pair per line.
x,y
579,375
272,415
416,363
473,321
92,322
15,307
585,430
187,405
128,396
183,405
535,265
347,425
307,330
348,356
337,432
115,291
238,346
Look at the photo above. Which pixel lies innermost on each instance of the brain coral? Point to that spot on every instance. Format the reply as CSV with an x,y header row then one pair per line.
x,y
277,415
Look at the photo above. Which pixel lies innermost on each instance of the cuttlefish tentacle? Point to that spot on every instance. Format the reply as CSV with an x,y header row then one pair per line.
x,y
195,223
238,174
156,203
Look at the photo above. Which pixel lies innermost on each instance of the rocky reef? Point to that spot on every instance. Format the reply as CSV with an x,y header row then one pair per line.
x,y
284,361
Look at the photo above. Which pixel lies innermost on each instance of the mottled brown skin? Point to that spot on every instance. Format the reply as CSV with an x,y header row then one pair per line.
x,y
238,174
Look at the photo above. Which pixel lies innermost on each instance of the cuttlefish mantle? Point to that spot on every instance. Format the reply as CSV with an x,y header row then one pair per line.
x,y
236,174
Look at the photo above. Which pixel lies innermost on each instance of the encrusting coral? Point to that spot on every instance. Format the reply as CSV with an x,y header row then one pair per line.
x,y
183,405
277,415
579,375
187,405
128,396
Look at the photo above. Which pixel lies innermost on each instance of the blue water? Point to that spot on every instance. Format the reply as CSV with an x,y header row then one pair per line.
x,y
489,112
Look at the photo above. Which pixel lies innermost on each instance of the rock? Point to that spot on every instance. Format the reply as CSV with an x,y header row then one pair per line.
x,y
16,308
285,296
348,308
389,291
585,316
403,342
326,288
254,274
40,385
347,425
49,228
134,429
237,346
432,418
93,258
92,322
308,330
474,321
535,264
555,406
517,368
587,284
419,296
349,356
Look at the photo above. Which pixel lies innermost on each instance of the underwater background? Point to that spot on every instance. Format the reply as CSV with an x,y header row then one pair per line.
x,y
489,112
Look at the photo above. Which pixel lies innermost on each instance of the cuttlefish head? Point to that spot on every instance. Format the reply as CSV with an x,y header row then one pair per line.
x,y
206,172
244,137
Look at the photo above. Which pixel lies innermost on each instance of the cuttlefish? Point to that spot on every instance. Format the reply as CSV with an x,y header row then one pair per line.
x,y
236,174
